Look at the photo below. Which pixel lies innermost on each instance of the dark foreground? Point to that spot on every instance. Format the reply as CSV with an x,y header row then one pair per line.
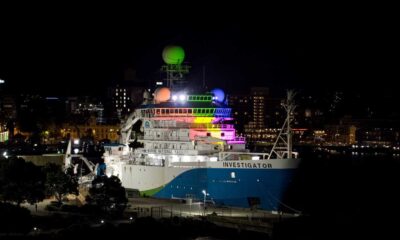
x,y
141,228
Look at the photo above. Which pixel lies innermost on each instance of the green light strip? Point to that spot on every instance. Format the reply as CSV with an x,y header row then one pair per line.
x,y
200,98
199,112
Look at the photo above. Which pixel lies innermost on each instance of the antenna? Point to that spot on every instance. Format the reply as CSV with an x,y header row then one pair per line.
x,y
204,76
283,146
175,74
173,57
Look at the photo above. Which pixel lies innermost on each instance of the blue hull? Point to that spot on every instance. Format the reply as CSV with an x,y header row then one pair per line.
x,y
245,188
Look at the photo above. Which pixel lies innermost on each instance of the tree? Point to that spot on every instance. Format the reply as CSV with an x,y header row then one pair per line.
x,y
59,183
14,219
108,194
21,181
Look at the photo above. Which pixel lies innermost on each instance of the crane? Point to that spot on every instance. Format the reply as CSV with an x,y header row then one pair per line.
x,y
126,126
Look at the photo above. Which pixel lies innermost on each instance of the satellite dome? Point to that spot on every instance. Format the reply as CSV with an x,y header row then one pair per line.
x,y
219,94
173,54
162,94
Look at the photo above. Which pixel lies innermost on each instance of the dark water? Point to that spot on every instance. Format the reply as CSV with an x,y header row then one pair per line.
x,y
344,196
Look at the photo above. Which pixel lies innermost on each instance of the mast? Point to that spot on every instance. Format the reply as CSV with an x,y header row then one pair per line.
x,y
175,73
289,107
204,77
283,145
174,68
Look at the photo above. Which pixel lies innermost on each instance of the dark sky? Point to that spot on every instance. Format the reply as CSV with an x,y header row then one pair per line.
x,y
335,50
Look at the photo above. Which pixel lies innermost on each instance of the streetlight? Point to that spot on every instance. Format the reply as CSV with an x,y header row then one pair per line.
x,y
204,200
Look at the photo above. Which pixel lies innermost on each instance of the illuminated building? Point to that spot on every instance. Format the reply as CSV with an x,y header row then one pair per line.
x,y
251,113
92,128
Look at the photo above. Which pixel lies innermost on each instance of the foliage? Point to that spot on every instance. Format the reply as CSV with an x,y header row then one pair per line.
x,y
59,183
14,219
21,181
108,194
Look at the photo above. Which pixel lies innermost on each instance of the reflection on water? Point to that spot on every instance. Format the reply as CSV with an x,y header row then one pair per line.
x,y
349,192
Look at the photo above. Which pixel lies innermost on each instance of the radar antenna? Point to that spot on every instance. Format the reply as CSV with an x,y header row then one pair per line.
x,y
173,56
175,74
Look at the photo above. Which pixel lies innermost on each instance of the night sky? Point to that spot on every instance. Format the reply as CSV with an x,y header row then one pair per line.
x,y
71,54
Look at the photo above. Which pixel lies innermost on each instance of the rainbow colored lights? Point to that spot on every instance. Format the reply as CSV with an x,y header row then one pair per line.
x,y
203,122
186,112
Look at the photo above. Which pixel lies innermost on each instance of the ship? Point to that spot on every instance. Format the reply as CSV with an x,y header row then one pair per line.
x,y
189,149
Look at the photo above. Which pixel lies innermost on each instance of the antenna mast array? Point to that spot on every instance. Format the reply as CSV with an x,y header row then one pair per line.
x,y
175,73
283,145
173,56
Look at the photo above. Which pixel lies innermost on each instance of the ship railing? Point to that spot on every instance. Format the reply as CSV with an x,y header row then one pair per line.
x,y
167,138
168,151
282,153
194,125
188,164
221,115
237,140
210,125
240,139
285,154
223,156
